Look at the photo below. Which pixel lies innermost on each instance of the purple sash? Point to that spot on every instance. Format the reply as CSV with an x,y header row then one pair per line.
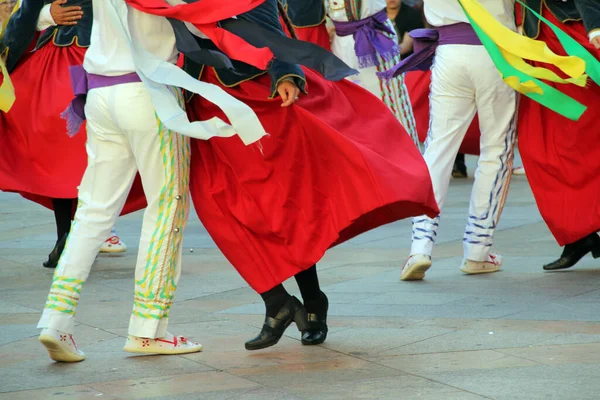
x,y
426,42
82,83
369,38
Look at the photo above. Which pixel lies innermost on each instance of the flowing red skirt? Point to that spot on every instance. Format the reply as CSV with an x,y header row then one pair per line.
x,y
38,159
336,164
316,34
417,83
562,157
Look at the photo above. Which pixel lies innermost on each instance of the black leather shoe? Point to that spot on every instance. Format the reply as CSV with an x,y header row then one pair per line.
x,y
575,252
55,254
273,328
317,326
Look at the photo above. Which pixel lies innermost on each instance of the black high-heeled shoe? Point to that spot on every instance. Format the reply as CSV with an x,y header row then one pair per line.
x,y
274,328
576,251
56,252
317,326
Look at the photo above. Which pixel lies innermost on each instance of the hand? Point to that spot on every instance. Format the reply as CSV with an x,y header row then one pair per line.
x,y
596,42
65,15
289,93
331,32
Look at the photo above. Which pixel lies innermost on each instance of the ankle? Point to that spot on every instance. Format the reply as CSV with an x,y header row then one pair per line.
x,y
317,306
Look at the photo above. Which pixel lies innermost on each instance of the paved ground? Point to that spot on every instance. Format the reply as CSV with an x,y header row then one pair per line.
x,y
517,334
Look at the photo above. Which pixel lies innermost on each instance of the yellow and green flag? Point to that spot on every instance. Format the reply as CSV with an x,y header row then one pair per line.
x,y
509,50
7,90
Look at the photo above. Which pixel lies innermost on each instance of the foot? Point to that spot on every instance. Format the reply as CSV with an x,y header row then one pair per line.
x,y
576,251
519,171
316,333
113,245
274,327
492,264
415,267
459,170
61,346
55,254
169,344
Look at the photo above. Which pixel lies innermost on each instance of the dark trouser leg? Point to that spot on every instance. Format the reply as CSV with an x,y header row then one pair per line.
x,y
63,214
274,299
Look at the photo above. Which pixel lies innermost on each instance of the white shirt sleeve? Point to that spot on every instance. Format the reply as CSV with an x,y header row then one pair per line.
x,y
45,19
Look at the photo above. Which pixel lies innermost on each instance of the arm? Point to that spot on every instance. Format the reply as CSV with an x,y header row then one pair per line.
x,y
45,19
406,46
590,13
267,15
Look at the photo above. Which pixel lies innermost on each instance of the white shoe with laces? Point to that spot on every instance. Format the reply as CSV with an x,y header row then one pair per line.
x,y
492,264
61,346
169,344
415,267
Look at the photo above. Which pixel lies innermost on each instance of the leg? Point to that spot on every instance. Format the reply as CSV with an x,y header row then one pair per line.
x,y
460,169
282,310
162,158
452,105
574,252
316,304
496,104
63,212
102,194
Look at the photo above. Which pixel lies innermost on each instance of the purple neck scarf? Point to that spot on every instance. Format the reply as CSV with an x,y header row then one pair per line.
x,y
426,42
370,39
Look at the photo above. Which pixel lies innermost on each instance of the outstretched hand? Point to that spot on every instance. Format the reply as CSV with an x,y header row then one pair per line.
x,y
596,42
289,93
65,15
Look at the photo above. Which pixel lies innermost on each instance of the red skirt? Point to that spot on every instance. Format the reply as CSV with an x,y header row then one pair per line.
x,y
38,159
562,157
417,83
315,34
336,164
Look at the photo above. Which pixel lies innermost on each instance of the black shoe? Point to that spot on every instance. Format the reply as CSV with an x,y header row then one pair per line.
x,y
273,328
55,254
575,252
459,170
317,326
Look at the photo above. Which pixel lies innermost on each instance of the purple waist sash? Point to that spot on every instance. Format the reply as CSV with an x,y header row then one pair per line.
x,y
82,82
426,41
369,38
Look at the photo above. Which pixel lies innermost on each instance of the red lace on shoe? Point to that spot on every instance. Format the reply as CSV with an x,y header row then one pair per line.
x,y
113,240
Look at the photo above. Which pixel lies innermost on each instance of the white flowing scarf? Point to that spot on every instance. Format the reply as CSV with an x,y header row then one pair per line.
x,y
159,76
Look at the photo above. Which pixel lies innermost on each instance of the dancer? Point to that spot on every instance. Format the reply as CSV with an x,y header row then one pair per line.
x,y
365,38
321,177
464,81
561,156
38,160
125,135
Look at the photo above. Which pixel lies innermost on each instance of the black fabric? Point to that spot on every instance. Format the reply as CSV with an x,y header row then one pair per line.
x,y
305,13
63,213
275,299
571,10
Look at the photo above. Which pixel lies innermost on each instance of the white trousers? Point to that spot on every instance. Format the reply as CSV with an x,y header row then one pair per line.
x,y
464,81
124,136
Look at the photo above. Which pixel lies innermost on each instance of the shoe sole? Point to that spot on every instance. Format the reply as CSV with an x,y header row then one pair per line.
x,y
416,272
57,352
479,271
113,251
137,350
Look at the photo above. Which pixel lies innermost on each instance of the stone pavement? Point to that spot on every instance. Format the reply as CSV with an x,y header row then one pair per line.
x,y
517,334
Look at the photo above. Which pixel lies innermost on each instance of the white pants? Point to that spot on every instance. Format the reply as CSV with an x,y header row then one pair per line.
x,y
124,136
464,81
